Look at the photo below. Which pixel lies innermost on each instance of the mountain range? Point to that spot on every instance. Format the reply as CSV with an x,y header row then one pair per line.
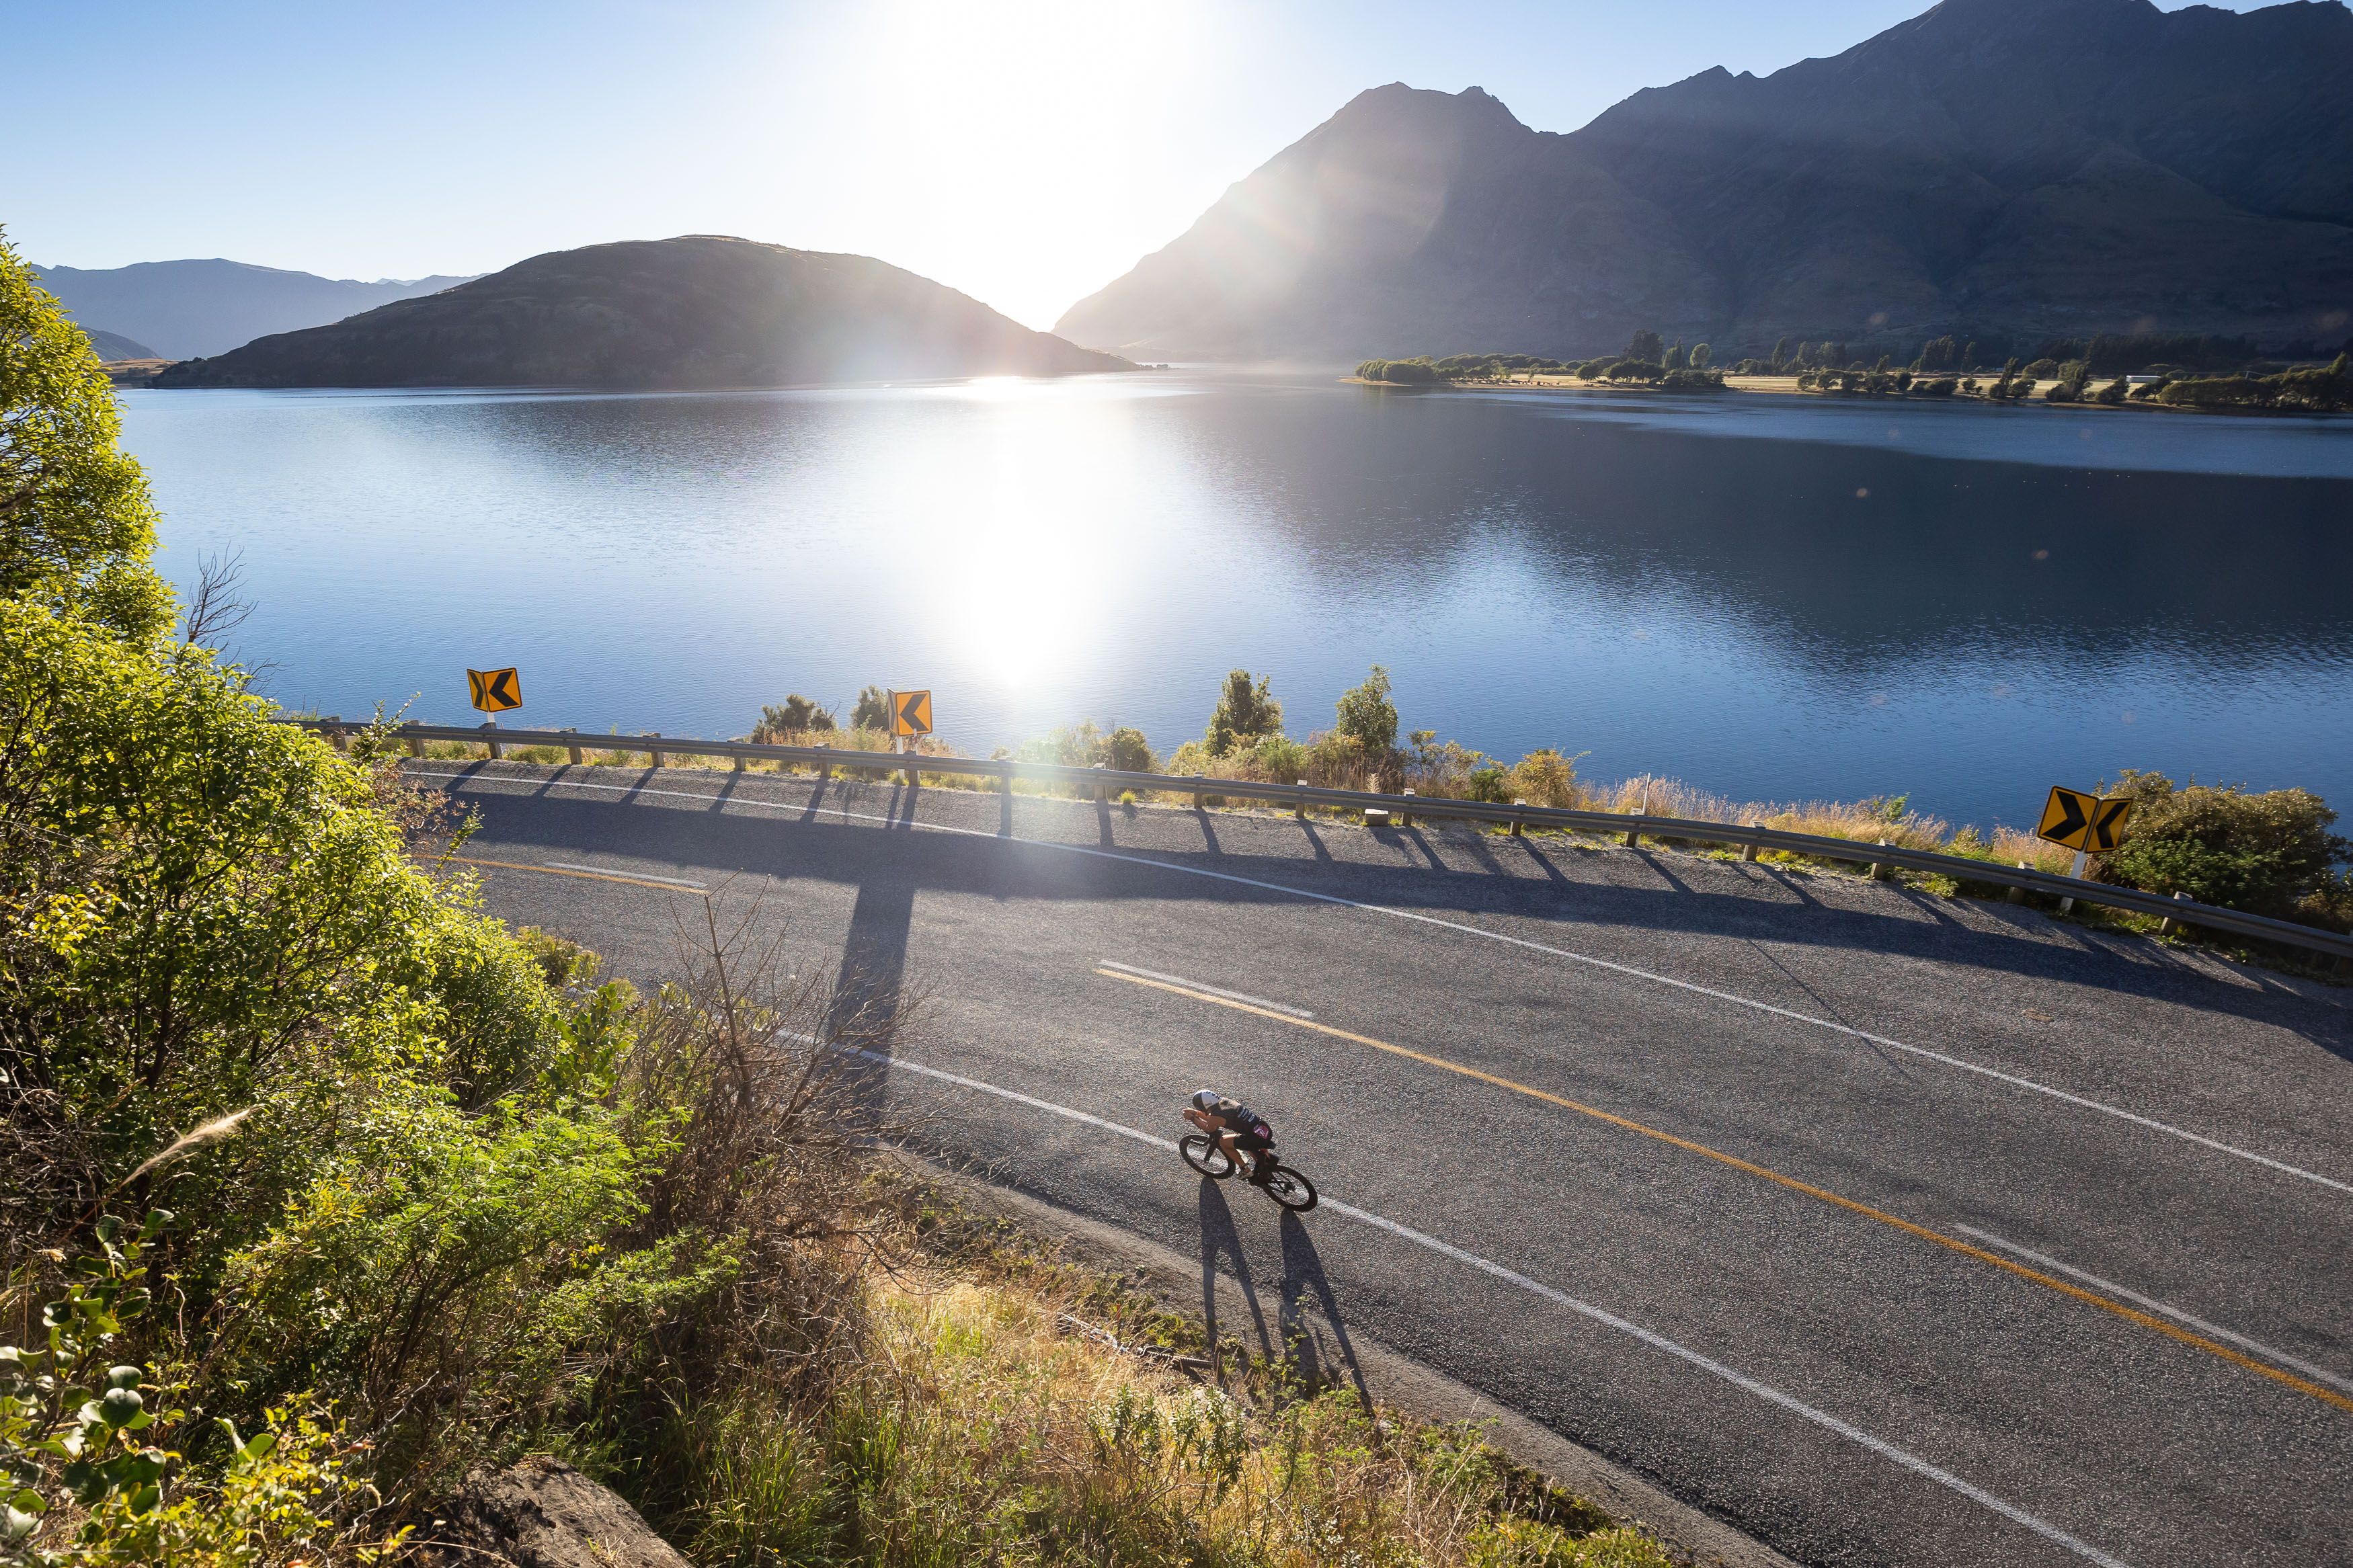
x,y
702,310
2007,169
179,310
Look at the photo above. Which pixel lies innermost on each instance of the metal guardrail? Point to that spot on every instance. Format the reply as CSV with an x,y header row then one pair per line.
x,y
1634,826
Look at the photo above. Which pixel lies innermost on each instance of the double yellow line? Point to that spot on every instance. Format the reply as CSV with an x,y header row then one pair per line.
x,y
1822,1194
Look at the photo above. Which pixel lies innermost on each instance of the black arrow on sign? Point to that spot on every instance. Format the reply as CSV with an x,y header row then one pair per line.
x,y
2072,822
503,689
2104,821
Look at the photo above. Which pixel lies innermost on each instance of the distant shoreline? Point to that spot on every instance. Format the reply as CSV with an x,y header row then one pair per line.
x,y
1786,386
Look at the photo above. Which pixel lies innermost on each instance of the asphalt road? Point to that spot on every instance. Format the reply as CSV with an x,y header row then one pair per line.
x,y
1892,1230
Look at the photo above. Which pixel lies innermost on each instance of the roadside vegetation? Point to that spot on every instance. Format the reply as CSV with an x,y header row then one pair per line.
x,y
323,1188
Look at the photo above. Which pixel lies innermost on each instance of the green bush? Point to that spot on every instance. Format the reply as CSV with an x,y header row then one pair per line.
x,y
1126,749
872,711
1281,758
796,715
1246,713
2269,854
1366,714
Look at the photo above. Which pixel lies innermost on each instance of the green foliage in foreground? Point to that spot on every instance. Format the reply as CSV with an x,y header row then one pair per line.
x,y
76,524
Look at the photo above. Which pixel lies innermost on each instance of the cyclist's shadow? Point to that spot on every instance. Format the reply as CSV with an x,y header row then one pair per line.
x,y
1219,1236
1302,1271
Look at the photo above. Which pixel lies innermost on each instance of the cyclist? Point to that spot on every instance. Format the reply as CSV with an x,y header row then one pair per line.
x,y
1238,1129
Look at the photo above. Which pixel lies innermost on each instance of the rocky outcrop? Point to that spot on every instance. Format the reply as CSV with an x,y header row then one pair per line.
x,y
704,311
2008,170
543,1513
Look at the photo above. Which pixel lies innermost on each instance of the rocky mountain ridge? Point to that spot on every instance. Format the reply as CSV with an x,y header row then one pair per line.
x,y
2008,170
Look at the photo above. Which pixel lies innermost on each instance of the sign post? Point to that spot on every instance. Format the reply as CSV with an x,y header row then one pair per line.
x,y
911,715
2088,824
494,692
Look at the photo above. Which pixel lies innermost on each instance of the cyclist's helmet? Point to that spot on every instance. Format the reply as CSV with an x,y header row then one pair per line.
x,y
1207,1100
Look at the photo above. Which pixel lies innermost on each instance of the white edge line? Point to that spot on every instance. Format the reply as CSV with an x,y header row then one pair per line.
x,y
1795,1406
2154,1305
1198,985
636,876
1847,1029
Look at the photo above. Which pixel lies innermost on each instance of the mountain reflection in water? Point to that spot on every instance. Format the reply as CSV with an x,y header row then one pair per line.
x,y
1769,598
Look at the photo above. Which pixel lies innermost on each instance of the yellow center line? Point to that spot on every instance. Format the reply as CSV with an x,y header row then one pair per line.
x,y
561,871
1737,1163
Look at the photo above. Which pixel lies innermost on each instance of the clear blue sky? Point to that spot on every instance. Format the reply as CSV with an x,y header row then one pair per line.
x,y
1026,153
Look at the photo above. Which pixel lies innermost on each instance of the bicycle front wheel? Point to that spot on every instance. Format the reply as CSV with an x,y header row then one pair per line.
x,y
1292,1190
1205,1156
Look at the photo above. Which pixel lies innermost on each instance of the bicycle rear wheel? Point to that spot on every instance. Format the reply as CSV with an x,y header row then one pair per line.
x,y
1205,1156
1292,1190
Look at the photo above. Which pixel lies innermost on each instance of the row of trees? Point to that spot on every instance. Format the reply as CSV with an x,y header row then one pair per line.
x,y
1647,359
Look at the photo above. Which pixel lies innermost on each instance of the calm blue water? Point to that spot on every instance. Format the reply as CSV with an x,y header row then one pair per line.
x,y
1771,598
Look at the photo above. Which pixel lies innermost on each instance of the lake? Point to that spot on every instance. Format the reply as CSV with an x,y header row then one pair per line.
x,y
1769,598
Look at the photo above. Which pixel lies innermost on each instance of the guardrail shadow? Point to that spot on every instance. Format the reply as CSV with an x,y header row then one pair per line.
x,y
1751,903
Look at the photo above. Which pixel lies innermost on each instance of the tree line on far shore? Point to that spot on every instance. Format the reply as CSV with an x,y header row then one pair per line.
x,y
1648,359
2179,370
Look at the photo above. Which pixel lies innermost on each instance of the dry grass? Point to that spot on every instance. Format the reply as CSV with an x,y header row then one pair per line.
x,y
987,1430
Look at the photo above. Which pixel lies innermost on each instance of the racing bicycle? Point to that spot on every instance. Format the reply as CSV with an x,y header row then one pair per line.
x,y
1285,1185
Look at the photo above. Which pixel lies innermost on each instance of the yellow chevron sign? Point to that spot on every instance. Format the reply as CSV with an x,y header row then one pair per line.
x,y
2093,824
911,712
495,691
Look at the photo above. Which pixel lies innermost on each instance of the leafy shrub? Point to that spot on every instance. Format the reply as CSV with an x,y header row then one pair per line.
x,y
1366,715
872,711
79,521
1246,713
1281,758
796,715
1126,749
2268,853
1547,778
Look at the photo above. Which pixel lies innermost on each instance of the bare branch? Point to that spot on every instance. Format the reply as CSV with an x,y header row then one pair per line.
x,y
219,606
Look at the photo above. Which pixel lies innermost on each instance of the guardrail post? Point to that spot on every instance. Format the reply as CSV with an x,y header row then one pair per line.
x,y
1300,810
1515,823
2067,904
415,746
1405,818
336,738
654,752
1102,792
1879,868
1634,834
573,751
1200,797
739,761
1004,807
2169,925
2018,895
1749,854
490,732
